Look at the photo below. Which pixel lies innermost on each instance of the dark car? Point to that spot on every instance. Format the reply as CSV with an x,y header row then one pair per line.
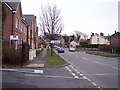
x,y
57,48
61,50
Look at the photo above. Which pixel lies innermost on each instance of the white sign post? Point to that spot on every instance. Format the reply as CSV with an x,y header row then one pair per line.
x,y
14,38
55,41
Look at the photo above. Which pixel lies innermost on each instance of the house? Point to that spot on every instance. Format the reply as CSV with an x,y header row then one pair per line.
x,y
19,28
32,31
73,44
80,37
41,42
14,24
97,39
62,41
32,35
115,41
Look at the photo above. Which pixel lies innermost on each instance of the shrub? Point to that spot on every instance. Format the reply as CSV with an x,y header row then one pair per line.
x,y
11,55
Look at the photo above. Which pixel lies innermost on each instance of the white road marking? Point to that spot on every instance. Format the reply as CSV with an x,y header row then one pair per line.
x,y
36,75
100,63
65,59
94,84
23,71
84,58
70,71
101,74
116,68
38,71
73,74
73,68
3,69
76,77
82,76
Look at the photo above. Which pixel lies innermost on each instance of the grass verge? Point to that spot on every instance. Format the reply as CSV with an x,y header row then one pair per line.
x,y
103,54
55,60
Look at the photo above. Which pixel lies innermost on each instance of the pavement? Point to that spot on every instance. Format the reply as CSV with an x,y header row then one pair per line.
x,y
39,61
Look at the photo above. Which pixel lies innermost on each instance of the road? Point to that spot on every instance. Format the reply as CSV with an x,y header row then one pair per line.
x,y
84,71
103,71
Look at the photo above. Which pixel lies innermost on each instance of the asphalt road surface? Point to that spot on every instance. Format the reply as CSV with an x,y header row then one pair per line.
x,y
84,71
103,71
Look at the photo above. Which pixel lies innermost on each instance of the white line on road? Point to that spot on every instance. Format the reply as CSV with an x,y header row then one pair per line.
x,y
84,58
83,76
116,68
23,71
73,68
99,63
36,75
70,71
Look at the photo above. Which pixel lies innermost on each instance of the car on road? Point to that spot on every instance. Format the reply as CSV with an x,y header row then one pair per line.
x,y
61,50
57,48
71,49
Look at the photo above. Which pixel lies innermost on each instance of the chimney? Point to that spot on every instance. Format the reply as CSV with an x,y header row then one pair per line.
x,y
101,34
92,34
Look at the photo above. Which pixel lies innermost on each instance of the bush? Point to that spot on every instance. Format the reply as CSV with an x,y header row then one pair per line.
x,y
11,55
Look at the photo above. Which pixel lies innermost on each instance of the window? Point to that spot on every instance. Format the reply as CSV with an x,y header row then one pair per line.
x,y
98,40
17,23
21,28
25,31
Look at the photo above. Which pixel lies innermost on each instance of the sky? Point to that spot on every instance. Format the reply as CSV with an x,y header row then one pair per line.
x,y
85,16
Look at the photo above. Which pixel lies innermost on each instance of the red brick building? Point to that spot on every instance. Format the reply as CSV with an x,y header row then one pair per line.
x,y
14,22
32,31
22,27
115,39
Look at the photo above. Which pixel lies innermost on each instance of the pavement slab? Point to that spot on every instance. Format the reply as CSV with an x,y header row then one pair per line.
x,y
35,65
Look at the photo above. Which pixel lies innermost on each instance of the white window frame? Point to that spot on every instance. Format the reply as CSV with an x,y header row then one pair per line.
x,y
21,27
17,22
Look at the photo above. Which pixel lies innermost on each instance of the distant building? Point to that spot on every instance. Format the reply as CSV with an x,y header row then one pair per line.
x,y
73,44
97,39
62,41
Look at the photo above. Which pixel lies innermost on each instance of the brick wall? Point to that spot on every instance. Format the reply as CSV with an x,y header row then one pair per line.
x,y
7,25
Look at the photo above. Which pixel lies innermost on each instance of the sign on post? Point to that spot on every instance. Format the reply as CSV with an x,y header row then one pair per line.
x,y
13,37
55,41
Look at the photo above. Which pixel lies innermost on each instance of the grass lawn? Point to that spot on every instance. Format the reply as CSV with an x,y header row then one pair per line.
x,y
55,60
103,54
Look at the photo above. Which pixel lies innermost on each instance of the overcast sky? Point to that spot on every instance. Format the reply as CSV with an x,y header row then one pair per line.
x,y
85,16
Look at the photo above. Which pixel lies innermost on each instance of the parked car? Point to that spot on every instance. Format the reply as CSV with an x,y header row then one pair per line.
x,y
61,50
71,49
57,48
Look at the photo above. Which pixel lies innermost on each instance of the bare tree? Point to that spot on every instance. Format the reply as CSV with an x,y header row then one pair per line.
x,y
50,22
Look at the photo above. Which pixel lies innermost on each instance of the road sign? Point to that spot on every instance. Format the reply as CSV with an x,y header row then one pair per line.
x,y
55,41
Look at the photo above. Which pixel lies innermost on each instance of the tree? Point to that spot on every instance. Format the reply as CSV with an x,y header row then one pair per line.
x,y
51,23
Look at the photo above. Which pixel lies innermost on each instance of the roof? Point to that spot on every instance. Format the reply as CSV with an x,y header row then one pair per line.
x,y
29,18
117,34
107,37
13,5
